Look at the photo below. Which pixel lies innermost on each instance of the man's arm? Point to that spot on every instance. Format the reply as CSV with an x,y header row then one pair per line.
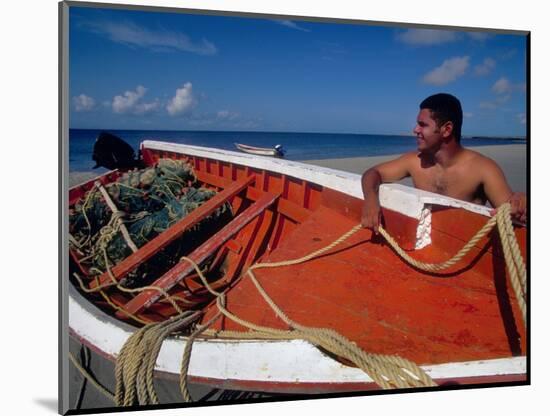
x,y
391,171
498,191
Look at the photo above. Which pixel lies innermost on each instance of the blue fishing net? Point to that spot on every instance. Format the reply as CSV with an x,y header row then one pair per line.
x,y
149,202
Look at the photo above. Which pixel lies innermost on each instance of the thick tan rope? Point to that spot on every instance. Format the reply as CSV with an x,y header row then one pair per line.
x,y
435,267
512,254
187,357
91,378
117,215
136,362
514,261
385,371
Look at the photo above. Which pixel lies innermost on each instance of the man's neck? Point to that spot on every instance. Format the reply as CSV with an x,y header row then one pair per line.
x,y
447,154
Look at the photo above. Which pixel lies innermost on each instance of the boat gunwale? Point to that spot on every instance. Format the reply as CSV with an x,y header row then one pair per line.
x,y
219,353
121,331
411,201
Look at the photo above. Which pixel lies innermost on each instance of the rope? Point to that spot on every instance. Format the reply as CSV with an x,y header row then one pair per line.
x,y
512,254
386,371
118,216
90,378
85,359
435,267
135,364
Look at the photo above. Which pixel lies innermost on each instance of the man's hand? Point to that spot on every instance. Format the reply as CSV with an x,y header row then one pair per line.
x,y
518,203
518,207
372,214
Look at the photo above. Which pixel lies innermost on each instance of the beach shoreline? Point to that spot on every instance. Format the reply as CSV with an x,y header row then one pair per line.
x,y
512,158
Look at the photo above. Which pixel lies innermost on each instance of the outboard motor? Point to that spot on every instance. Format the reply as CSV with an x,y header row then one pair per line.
x,y
280,151
112,152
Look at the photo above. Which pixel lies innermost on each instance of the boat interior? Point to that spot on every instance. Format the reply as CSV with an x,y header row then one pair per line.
x,y
361,288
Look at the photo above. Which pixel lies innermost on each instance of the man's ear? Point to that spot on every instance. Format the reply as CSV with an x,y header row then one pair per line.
x,y
447,129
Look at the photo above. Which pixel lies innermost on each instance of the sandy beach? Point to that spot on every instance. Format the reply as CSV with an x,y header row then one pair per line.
x,y
511,158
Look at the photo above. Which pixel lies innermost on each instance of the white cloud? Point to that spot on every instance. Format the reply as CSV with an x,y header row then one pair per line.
x,y
502,99
502,86
522,118
292,25
124,103
247,124
448,71
227,115
486,67
468,115
83,103
130,34
497,102
143,108
183,101
508,54
504,90
129,102
487,105
427,37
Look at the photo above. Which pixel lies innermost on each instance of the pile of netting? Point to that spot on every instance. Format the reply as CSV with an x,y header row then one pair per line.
x,y
147,202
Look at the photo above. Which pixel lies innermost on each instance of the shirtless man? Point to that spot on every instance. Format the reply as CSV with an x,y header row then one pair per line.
x,y
442,165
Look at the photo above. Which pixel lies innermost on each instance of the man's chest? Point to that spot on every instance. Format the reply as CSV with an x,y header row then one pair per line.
x,y
456,183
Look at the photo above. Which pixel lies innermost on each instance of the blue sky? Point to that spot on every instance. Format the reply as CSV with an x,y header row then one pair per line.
x,y
175,71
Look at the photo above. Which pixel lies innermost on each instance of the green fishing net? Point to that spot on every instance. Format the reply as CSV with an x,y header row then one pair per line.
x,y
149,201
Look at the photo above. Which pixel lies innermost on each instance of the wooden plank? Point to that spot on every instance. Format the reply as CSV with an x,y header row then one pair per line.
x,y
260,238
292,210
212,179
171,234
238,261
248,255
79,191
178,272
288,208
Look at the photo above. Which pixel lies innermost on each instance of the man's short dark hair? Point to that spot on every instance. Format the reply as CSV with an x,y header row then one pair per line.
x,y
444,108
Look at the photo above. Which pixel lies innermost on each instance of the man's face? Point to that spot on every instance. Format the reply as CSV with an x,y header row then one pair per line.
x,y
428,134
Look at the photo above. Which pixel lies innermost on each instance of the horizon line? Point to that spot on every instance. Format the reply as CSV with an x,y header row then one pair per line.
x,y
468,136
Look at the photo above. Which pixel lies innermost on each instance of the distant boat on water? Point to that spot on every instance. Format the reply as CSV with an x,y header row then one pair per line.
x,y
276,151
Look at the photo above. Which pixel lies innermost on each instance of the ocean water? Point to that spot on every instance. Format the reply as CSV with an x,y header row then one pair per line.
x,y
298,146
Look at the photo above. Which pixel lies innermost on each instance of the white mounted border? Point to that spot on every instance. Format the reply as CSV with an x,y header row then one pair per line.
x,y
278,361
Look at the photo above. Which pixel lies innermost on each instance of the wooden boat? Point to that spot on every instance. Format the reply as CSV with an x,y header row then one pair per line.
x,y
461,328
276,151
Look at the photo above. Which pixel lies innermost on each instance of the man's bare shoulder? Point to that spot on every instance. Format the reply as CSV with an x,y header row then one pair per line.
x,y
400,160
410,157
478,160
409,160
